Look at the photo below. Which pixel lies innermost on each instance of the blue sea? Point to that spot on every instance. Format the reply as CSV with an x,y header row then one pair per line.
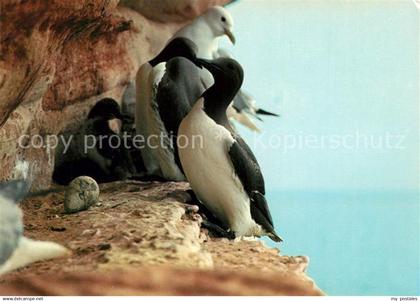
x,y
359,243
349,70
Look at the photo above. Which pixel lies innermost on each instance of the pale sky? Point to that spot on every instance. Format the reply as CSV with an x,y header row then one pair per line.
x,y
344,76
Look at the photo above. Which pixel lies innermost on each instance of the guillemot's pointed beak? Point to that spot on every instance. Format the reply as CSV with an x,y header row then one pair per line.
x,y
198,63
230,35
204,63
15,190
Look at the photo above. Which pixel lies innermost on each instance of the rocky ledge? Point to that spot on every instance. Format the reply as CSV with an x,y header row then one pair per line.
x,y
145,239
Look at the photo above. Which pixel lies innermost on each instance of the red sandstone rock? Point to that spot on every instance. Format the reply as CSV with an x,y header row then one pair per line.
x,y
163,281
141,239
57,58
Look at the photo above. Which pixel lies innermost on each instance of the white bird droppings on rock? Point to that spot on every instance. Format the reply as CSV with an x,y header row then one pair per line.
x,y
82,193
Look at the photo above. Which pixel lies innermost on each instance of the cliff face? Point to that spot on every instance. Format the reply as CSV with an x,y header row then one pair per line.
x,y
57,58
144,238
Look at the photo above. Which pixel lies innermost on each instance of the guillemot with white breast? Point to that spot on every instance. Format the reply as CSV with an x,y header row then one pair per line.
x,y
223,172
17,251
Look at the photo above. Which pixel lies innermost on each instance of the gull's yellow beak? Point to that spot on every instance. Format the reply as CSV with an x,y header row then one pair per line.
x,y
230,35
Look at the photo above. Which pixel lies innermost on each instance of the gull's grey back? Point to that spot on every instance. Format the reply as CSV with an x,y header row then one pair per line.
x,y
11,227
14,190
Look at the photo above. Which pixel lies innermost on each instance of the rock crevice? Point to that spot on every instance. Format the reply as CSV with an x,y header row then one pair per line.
x,y
57,58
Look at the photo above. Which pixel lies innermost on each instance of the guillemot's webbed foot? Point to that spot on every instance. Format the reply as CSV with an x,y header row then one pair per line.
x,y
217,230
210,222
207,214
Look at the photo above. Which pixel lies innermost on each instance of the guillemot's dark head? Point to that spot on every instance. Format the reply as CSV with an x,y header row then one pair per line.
x,y
107,109
178,47
220,22
225,71
228,78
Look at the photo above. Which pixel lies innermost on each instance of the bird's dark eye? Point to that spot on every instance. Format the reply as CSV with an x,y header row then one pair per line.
x,y
223,19
231,67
